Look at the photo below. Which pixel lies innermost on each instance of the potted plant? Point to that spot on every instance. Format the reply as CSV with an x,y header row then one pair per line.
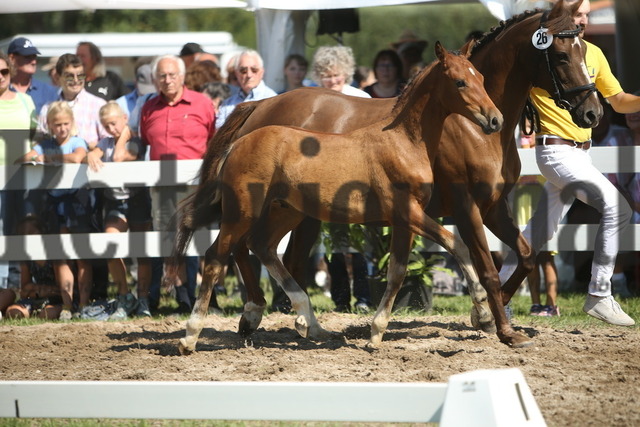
x,y
374,243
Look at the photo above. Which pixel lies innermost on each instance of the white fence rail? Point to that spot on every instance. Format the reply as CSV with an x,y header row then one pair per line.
x,y
495,397
153,174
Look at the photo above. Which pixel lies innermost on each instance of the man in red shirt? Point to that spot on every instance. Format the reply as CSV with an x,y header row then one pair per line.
x,y
176,125
179,122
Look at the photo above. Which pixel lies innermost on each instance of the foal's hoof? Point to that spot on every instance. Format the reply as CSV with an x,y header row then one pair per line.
x,y
251,318
484,323
184,349
244,328
518,340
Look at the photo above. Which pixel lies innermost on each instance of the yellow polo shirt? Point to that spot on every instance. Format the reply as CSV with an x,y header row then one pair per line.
x,y
555,121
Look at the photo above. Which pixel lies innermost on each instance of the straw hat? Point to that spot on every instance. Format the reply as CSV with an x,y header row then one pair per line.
x,y
409,39
51,64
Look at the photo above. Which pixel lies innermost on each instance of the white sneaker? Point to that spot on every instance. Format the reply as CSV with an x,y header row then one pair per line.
x,y
65,315
607,309
119,314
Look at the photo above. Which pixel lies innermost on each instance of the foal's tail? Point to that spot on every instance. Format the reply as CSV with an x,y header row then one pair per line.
x,y
203,207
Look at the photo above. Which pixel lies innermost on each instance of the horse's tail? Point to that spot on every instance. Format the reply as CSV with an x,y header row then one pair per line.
x,y
203,207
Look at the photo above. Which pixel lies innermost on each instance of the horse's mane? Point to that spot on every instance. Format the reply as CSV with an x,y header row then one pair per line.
x,y
554,25
415,81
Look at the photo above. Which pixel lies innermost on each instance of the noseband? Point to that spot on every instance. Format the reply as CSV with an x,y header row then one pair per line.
x,y
559,93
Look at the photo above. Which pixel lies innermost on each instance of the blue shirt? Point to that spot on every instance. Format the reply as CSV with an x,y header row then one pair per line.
x,y
51,147
128,102
42,93
262,91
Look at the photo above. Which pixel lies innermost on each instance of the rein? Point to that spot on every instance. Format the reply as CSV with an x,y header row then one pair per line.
x,y
559,93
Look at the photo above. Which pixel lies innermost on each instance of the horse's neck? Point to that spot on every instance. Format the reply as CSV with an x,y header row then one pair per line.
x,y
507,77
421,115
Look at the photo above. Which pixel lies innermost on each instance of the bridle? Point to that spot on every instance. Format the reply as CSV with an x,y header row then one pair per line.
x,y
559,93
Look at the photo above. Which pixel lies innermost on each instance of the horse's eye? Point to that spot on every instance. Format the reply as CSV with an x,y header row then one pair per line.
x,y
461,83
562,58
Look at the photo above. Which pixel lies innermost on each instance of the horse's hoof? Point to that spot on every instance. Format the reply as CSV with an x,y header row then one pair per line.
x,y
320,334
302,327
518,340
486,324
184,349
371,346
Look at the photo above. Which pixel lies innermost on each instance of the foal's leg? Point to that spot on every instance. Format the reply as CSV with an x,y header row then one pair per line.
x,y
263,241
481,317
254,308
215,260
401,240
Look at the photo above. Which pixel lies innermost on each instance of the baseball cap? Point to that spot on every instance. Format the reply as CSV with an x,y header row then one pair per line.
x,y
144,82
22,46
190,49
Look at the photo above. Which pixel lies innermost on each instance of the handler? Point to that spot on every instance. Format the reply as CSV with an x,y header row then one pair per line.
x,y
562,154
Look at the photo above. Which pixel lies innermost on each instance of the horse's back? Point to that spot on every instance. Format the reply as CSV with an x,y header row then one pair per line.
x,y
317,109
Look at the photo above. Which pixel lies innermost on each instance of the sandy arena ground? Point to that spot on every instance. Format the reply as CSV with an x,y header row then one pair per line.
x,y
578,378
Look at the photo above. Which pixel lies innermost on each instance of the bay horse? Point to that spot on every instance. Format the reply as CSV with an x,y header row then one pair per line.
x,y
274,177
483,168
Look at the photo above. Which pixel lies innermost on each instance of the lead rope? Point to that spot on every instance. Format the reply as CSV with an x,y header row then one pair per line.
x,y
530,113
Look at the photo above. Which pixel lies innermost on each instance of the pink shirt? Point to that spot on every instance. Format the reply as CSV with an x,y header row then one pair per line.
x,y
180,131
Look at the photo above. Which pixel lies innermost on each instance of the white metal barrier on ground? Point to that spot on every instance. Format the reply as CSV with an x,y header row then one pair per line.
x,y
154,174
477,398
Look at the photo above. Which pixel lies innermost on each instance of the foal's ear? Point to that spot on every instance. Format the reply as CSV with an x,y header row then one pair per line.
x,y
440,51
468,47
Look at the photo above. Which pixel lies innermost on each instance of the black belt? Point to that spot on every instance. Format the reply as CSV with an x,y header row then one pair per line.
x,y
554,140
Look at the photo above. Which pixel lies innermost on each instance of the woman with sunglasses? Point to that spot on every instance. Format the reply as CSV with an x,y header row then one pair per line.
x,y
17,112
17,124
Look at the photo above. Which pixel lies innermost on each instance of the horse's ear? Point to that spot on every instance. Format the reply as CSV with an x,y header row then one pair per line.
x,y
440,51
559,8
468,48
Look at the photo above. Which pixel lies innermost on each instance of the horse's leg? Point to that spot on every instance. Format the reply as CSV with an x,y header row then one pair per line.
x,y
500,221
263,241
401,240
303,237
470,225
481,317
254,308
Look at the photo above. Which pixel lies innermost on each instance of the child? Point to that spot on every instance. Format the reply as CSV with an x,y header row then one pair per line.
x,y
40,282
124,208
72,208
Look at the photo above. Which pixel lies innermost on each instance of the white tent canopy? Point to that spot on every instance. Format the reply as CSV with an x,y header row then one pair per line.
x,y
29,6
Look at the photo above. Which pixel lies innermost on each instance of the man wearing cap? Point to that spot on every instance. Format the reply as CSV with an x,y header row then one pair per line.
x,y
189,52
23,54
100,82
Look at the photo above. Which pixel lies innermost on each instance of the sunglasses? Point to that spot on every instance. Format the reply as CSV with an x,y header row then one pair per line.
x,y
4,72
245,70
69,77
